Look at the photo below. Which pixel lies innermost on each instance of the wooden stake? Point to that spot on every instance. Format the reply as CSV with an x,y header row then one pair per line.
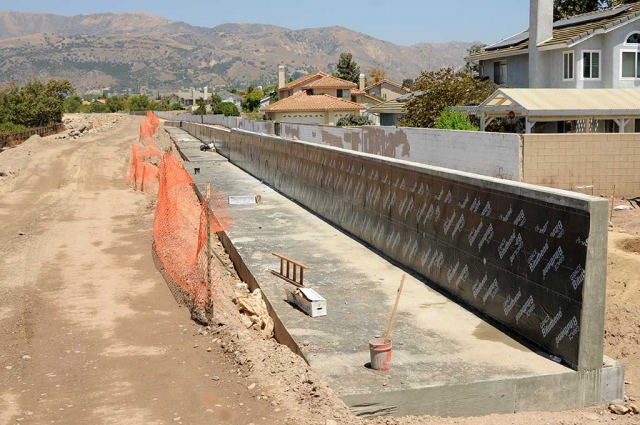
x,y
613,196
395,310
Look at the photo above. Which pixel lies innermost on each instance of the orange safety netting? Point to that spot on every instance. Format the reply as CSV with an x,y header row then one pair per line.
x,y
182,222
145,157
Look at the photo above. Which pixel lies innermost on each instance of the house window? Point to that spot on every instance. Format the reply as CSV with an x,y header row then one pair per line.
x,y
500,72
309,92
567,67
340,93
591,65
630,65
384,96
630,58
633,38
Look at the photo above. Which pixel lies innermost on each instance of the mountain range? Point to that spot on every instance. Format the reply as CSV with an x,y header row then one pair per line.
x,y
138,51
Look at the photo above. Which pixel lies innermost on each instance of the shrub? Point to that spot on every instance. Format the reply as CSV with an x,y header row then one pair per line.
x,y
353,120
453,119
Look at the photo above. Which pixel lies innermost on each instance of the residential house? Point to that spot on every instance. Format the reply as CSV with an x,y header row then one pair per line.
x,y
318,98
593,50
99,101
389,113
302,107
386,90
232,98
189,98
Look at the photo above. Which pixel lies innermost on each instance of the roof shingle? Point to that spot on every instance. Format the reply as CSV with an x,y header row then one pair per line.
x,y
564,35
304,102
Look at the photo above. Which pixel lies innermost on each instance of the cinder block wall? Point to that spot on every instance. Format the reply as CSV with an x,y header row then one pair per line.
x,y
530,257
568,160
489,154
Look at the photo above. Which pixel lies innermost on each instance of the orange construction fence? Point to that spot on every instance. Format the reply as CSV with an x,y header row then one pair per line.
x,y
182,222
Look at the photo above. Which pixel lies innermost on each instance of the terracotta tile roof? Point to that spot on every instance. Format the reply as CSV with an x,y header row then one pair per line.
x,y
391,83
305,79
330,82
564,32
304,102
375,100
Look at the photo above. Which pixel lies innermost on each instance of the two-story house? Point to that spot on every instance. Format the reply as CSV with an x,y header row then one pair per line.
x,y
386,90
317,98
593,50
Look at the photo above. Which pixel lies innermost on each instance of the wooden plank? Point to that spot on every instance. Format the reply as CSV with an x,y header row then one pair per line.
x,y
286,279
289,259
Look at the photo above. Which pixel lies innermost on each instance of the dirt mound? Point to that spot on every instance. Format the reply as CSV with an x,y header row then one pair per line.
x,y
630,245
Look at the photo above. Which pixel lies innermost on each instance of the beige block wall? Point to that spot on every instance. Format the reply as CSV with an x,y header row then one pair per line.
x,y
565,161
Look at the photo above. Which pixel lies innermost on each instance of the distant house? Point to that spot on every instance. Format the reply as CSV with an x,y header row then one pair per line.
x,y
593,50
230,97
266,101
389,112
99,101
312,109
86,103
386,90
189,98
318,98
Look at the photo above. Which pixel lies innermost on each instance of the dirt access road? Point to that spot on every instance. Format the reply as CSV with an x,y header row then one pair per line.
x,y
89,332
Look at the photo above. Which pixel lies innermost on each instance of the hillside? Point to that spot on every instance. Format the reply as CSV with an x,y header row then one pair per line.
x,y
139,50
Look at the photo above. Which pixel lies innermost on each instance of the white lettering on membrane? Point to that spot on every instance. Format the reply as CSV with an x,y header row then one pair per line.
x,y
555,262
577,277
569,331
491,292
507,216
452,271
508,304
477,287
548,323
516,251
520,219
526,309
505,245
464,274
488,234
558,231
536,256
459,226
474,233
448,223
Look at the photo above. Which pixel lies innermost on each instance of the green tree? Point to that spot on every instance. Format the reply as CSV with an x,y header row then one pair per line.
x,y
115,104
35,104
453,119
347,69
353,120
566,8
201,109
72,104
475,48
137,103
440,90
251,88
228,109
176,107
215,98
408,83
98,108
251,103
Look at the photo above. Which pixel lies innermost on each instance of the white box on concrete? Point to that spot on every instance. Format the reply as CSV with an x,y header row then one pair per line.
x,y
308,300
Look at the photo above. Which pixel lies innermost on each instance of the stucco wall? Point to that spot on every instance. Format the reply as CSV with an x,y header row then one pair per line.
x,y
490,154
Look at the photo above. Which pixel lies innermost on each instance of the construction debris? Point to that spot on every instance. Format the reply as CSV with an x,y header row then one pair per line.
x,y
253,305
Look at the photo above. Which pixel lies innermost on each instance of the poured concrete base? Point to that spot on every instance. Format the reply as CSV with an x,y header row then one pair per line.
x,y
446,360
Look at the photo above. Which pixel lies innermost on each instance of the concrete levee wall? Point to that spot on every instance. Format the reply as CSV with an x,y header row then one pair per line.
x,y
489,154
569,161
531,258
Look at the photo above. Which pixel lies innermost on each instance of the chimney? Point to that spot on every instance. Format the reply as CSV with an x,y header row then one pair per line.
x,y
540,30
361,85
281,81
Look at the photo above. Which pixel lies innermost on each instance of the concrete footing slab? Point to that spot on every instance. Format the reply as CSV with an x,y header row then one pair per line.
x,y
446,361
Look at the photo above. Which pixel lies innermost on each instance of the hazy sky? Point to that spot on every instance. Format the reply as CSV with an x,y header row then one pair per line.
x,y
400,21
